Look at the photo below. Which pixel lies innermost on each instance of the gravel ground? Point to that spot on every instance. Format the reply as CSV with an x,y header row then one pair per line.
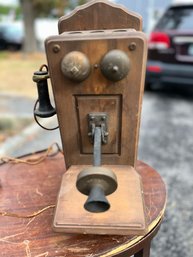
x,y
166,143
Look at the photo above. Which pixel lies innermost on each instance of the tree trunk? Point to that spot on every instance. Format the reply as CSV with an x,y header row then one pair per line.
x,y
30,44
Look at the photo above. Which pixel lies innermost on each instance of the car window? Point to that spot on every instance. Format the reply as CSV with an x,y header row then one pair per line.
x,y
12,32
2,30
177,19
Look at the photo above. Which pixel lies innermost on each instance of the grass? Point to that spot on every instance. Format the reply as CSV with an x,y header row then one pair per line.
x,y
16,71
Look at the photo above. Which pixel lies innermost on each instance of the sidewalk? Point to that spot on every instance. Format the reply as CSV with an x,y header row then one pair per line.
x,y
31,138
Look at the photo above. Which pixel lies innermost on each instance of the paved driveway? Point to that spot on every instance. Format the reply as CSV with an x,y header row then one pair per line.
x,y
166,143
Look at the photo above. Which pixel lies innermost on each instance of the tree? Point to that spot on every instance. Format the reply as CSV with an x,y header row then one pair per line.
x,y
30,44
36,8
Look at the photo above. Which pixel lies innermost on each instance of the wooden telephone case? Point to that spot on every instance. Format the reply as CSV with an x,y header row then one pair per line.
x,y
121,100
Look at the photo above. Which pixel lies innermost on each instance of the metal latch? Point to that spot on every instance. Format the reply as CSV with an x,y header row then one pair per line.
x,y
98,119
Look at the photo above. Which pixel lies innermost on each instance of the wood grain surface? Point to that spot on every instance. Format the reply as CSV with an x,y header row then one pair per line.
x,y
100,14
94,29
26,189
121,100
125,217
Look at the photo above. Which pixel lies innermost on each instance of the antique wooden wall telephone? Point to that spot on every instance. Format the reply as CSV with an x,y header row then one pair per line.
x,y
96,66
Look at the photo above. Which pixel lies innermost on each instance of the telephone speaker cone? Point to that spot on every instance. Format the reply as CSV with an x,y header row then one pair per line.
x,y
97,183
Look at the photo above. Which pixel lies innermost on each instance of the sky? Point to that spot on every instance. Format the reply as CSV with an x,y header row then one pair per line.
x,y
139,6
143,8
7,2
14,2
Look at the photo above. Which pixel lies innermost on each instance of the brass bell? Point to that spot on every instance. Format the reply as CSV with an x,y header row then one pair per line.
x,y
115,65
45,109
96,182
75,66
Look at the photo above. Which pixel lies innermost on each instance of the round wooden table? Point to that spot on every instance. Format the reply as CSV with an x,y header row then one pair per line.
x,y
27,197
